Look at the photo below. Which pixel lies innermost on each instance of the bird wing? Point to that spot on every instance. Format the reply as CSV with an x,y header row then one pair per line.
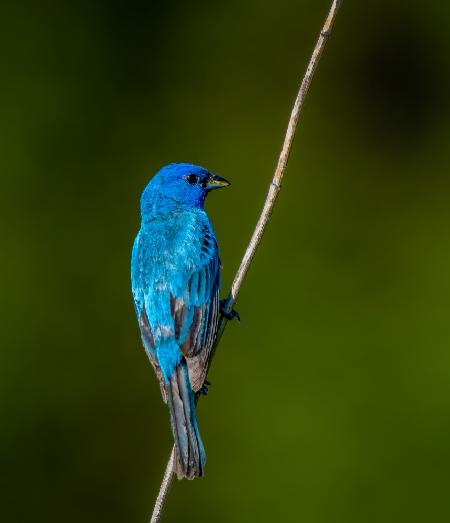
x,y
176,284
196,313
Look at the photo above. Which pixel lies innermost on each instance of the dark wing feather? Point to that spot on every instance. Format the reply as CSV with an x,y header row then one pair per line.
x,y
149,344
196,315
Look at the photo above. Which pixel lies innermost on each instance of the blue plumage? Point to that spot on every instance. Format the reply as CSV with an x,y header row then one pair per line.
x,y
175,274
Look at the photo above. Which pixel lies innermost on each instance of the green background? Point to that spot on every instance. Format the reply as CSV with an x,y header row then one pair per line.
x,y
330,402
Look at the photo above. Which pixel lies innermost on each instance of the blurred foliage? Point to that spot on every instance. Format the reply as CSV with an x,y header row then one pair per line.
x,y
331,401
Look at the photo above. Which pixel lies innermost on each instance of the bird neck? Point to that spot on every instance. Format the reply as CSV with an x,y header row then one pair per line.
x,y
166,205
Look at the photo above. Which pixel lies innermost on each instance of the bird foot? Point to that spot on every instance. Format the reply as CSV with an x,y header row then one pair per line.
x,y
204,388
229,315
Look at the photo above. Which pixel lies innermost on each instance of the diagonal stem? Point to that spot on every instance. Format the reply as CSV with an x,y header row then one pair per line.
x,y
164,489
263,220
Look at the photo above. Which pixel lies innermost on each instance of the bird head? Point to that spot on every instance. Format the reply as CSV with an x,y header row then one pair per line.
x,y
179,184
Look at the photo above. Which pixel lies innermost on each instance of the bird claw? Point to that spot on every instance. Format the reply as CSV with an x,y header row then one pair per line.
x,y
203,390
229,315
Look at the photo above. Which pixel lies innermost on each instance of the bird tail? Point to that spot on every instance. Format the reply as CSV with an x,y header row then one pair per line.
x,y
190,454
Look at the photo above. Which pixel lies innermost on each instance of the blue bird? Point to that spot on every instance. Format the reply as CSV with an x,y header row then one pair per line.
x,y
175,276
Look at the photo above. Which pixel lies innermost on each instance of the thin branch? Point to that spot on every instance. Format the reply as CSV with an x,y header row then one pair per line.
x,y
264,218
164,489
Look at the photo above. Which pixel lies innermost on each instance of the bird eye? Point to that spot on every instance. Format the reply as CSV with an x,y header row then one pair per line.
x,y
192,179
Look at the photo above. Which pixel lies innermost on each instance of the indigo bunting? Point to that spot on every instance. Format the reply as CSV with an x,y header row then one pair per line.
x,y
175,276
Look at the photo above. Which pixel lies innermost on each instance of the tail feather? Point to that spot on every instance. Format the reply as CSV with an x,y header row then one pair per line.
x,y
190,454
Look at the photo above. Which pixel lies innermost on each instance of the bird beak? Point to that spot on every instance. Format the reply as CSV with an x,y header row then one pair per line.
x,y
216,182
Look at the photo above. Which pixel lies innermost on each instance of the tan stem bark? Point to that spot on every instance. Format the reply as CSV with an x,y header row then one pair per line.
x,y
263,220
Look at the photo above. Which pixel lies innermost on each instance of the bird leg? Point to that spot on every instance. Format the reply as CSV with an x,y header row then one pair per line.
x,y
228,315
204,388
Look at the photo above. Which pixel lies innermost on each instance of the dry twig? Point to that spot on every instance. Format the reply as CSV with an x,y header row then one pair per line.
x,y
264,218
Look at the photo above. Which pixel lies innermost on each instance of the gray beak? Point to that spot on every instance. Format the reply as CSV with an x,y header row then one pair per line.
x,y
216,182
